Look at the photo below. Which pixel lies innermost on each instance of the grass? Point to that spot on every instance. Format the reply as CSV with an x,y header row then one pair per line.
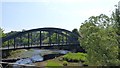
x,y
70,56
56,63
75,57
53,63
16,53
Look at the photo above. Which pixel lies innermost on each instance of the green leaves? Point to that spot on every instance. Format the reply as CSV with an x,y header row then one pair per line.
x,y
99,40
75,57
2,34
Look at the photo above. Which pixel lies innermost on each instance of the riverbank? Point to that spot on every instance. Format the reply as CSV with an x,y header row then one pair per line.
x,y
51,57
56,62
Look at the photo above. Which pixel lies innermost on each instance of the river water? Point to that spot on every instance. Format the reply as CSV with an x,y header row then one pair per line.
x,y
36,55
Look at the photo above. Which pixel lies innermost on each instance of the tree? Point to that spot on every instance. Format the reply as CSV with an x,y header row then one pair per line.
x,y
75,31
99,40
2,33
116,16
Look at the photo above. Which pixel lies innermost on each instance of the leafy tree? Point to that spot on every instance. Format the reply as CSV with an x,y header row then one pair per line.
x,y
2,33
75,31
99,40
116,18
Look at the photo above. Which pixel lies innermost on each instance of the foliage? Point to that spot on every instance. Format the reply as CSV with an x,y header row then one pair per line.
x,y
2,34
46,40
53,37
116,18
16,53
75,31
11,33
65,63
75,57
99,40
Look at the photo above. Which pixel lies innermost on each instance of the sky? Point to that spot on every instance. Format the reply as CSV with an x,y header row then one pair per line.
x,y
16,15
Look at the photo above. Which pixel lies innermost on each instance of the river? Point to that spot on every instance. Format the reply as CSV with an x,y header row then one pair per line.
x,y
36,55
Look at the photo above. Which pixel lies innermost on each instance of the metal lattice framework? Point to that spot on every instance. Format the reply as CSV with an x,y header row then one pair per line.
x,y
40,37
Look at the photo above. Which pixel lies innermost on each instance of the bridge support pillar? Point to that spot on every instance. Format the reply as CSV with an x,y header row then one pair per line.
x,y
56,38
14,43
31,39
28,39
8,44
40,38
66,38
62,39
49,38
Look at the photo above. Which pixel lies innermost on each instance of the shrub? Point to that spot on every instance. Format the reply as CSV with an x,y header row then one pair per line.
x,y
75,57
65,63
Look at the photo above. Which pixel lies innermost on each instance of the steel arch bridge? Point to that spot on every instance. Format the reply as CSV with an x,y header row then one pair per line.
x,y
40,37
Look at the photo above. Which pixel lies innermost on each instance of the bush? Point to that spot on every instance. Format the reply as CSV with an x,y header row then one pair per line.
x,y
65,63
75,57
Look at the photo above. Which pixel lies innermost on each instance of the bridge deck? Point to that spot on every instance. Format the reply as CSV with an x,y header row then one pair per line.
x,y
33,46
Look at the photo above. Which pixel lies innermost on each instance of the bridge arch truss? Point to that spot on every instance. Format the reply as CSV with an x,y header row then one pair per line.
x,y
40,37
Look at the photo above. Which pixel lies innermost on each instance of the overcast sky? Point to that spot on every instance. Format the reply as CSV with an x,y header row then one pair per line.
x,y
16,15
